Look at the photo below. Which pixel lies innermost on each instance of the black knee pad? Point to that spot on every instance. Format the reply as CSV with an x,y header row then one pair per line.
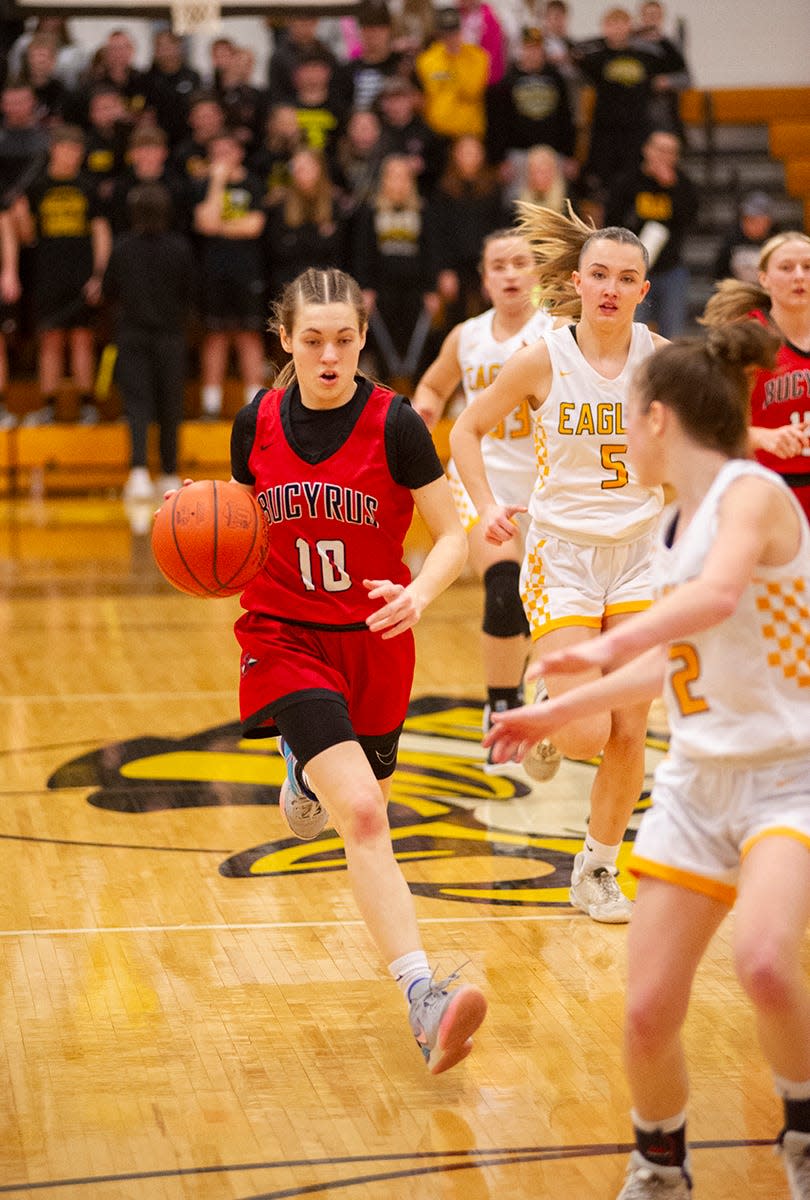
x,y
503,609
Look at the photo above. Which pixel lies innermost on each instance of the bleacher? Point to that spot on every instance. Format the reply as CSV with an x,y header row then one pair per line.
x,y
69,458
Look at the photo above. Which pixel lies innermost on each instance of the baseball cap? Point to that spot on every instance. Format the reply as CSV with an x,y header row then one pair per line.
x,y
446,20
756,204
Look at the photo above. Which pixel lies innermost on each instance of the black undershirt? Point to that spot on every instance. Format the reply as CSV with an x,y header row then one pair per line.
x,y
316,434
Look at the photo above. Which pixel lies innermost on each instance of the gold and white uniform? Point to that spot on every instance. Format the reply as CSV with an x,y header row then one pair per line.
x,y
508,449
591,538
738,703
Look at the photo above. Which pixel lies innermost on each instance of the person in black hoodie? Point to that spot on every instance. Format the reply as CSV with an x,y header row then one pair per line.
x,y
150,280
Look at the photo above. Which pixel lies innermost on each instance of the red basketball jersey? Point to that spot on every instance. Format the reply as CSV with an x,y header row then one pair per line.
x,y
782,397
333,523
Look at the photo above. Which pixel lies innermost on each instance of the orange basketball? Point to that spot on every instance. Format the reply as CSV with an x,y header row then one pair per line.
x,y
210,538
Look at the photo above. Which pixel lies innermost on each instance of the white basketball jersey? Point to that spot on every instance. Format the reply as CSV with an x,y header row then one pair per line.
x,y
741,690
508,449
586,491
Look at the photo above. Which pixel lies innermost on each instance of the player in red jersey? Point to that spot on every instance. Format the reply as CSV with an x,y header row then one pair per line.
x,y
338,464
780,400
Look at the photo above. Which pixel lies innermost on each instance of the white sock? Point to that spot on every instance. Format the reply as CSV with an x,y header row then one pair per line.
x,y
211,398
667,1125
790,1089
599,854
408,969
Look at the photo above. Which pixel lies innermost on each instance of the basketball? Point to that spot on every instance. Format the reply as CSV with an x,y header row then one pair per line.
x,y
210,538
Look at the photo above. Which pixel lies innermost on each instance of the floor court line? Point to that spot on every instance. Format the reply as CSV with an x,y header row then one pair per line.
x,y
84,930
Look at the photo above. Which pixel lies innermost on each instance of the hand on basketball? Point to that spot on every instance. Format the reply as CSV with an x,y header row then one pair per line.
x,y
399,611
498,524
514,732
171,491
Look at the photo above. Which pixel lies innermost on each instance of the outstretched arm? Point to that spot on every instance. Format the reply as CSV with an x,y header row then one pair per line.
x,y
514,732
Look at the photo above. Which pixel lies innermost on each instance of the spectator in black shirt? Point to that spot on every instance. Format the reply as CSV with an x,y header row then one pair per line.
x,y
271,162
23,142
150,280
206,121
39,71
244,106
357,159
112,64
664,106
230,220
467,205
391,261
58,214
170,83
359,81
529,107
108,131
317,103
659,203
622,73
147,162
404,132
305,228
738,256
294,41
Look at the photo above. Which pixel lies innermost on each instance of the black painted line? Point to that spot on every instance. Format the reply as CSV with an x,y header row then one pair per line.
x,y
501,1154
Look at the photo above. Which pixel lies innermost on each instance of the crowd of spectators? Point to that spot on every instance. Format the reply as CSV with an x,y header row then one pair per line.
x,y
391,152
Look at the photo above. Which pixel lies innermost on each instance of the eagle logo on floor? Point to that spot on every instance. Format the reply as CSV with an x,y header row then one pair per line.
x,y
444,807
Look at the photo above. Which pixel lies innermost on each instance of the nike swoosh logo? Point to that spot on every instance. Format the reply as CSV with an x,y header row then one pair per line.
x,y
561,375
387,760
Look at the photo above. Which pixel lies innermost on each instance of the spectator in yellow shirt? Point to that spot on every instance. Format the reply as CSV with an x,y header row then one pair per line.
x,y
453,75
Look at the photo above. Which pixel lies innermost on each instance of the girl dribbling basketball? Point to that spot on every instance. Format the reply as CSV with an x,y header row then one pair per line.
x,y
338,464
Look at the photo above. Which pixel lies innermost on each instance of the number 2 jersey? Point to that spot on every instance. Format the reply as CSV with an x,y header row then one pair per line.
x,y
741,689
336,487
586,492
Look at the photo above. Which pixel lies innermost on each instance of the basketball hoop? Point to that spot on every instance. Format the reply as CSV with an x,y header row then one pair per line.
x,y
196,16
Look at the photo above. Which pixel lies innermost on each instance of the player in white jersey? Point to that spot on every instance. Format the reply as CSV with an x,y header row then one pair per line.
x,y
590,541
729,638
472,354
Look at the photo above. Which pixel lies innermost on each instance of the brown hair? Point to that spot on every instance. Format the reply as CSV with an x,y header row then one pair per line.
x,y
705,380
381,203
314,286
733,299
559,241
319,208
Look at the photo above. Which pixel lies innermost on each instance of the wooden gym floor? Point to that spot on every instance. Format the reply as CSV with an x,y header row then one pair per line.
x,y
190,1005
